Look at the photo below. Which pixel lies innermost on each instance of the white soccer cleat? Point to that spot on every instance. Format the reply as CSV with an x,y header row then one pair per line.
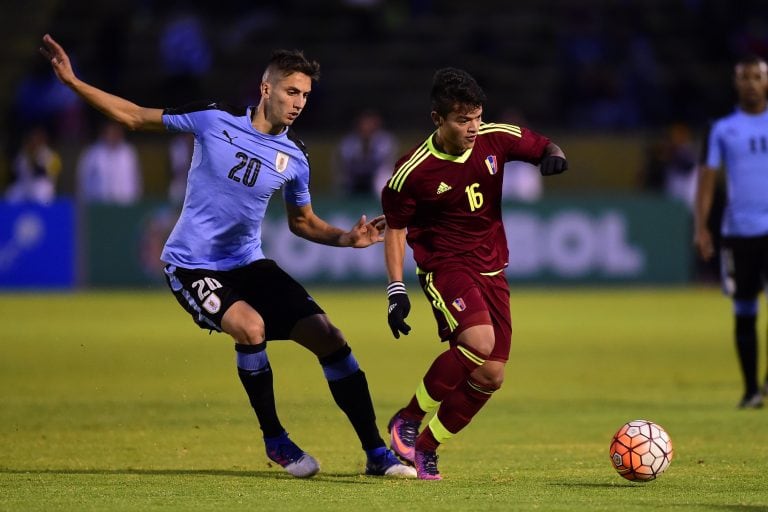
x,y
305,467
293,459
400,471
387,464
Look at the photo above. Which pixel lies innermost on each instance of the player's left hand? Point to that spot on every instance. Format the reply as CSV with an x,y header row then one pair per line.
x,y
366,232
551,165
398,309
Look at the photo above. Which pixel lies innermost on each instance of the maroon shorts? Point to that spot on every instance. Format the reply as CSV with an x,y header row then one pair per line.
x,y
462,298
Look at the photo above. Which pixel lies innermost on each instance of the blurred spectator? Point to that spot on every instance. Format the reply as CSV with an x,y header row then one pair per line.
x,y
186,55
108,170
365,157
671,165
611,77
42,101
111,46
522,180
180,157
753,37
35,169
367,20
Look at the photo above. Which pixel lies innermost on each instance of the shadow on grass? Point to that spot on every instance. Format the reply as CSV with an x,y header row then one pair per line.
x,y
593,485
735,508
641,485
348,478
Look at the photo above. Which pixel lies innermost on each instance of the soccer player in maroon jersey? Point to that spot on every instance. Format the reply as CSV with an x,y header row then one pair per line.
x,y
444,200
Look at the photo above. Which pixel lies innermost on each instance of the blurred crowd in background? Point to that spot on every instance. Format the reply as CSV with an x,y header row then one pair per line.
x,y
652,70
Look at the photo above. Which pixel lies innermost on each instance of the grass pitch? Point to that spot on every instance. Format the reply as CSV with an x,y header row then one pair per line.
x,y
116,401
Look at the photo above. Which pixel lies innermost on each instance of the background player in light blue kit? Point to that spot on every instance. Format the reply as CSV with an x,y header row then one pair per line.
x,y
214,262
739,144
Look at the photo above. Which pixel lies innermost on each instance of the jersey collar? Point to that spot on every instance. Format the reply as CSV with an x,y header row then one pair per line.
x,y
459,159
251,111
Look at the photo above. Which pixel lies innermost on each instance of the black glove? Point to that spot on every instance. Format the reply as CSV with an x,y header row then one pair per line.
x,y
551,165
399,307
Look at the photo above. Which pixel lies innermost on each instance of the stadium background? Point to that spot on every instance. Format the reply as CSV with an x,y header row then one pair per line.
x,y
605,78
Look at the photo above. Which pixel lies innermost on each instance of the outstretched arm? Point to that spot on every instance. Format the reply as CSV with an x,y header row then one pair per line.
x,y
303,222
128,114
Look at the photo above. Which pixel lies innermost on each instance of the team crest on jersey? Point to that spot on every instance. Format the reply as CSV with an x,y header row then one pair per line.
x,y
490,163
459,304
212,303
281,161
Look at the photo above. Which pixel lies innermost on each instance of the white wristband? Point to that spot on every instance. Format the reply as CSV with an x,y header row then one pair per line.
x,y
395,287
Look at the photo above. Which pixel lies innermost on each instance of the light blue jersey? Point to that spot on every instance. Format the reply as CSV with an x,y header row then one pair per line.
x,y
235,170
739,143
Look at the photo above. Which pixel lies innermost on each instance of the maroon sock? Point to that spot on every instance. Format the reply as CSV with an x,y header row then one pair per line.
x,y
459,407
448,370
426,442
412,411
455,413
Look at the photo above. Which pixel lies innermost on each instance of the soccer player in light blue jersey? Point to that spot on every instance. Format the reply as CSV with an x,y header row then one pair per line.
x,y
214,261
738,143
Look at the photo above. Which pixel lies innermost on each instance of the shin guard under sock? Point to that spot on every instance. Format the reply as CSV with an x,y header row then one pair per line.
x,y
448,370
455,413
256,377
746,346
349,388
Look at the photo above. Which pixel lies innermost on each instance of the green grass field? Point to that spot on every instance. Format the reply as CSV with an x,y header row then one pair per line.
x,y
116,401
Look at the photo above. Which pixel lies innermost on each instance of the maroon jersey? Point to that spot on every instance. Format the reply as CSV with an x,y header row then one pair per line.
x,y
451,204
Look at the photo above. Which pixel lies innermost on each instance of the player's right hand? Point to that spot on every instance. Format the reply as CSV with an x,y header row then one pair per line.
x,y
58,59
703,242
399,307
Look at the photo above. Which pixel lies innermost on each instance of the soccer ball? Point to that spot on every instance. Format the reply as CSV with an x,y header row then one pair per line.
x,y
641,450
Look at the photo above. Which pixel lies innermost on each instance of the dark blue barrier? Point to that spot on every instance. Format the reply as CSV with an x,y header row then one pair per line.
x,y
37,245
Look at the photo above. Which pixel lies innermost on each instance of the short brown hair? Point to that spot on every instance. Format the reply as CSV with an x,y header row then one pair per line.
x,y
293,61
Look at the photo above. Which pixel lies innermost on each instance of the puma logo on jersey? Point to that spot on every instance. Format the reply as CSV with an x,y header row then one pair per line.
x,y
228,136
443,187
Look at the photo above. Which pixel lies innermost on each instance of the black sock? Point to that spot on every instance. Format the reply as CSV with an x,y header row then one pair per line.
x,y
352,396
746,346
257,383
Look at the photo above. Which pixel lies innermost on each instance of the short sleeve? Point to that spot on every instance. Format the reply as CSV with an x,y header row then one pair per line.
x,y
188,118
714,151
296,191
398,207
528,147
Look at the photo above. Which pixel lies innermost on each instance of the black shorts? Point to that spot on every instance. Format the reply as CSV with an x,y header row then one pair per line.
x,y
744,266
207,294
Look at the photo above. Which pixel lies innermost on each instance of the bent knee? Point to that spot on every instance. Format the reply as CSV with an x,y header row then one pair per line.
x,y
488,383
322,330
489,378
250,335
319,335
244,324
331,337
479,338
